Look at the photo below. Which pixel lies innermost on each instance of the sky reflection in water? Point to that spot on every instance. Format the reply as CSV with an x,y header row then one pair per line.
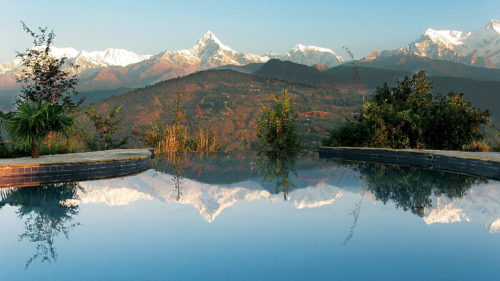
x,y
214,219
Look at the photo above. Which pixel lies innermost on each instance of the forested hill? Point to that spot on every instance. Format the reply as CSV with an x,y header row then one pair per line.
x,y
483,93
229,103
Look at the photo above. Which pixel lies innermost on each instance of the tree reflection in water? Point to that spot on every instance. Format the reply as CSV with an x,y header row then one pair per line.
x,y
355,215
411,188
277,167
173,163
46,212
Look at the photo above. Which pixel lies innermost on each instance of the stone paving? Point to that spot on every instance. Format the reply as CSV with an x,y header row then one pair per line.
x,y
82,157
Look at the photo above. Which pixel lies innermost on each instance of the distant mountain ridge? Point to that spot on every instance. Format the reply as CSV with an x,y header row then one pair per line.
x,y
86,60
116,68
478,47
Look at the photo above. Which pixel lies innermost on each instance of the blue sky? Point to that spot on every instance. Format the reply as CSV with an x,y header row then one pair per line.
x,y
150,26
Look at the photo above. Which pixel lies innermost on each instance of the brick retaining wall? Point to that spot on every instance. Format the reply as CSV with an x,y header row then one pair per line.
x,y
33,174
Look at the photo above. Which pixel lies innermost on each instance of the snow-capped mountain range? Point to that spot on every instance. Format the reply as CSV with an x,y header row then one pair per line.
x,y
86,60
309,55
208,52
478,47
118,68
480,205
115,68
209,200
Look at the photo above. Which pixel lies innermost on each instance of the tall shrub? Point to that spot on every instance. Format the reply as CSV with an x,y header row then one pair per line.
x,y
408,116
276,126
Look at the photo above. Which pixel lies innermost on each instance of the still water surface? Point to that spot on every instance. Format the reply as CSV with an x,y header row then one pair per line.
x,y
243,217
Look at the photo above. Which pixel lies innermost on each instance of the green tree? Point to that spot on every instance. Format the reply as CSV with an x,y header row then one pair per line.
x,y
4,152
105,126
31,123
43,77
408,116
276,127
454,122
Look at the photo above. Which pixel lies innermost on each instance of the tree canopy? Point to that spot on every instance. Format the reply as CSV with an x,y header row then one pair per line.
x,y
276,127
409,116
45,78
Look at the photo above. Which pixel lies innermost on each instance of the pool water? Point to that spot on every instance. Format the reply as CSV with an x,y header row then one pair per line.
x,y
233,216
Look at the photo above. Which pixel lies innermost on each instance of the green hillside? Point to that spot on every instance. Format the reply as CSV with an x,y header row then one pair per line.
x,y
484,94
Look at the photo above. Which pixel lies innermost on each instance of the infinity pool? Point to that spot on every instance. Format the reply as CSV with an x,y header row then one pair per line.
x,y
231,216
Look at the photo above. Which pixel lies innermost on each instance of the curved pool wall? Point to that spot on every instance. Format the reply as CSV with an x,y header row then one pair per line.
x,y
485,164
28,171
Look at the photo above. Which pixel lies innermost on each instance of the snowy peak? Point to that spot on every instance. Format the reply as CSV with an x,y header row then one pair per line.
x,y
493,25
309,55
70,53
86,60
210,41
448,38
310,49
479,47
208,52
112,57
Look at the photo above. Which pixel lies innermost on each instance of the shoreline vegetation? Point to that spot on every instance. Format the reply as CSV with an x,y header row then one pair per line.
x,y
406,115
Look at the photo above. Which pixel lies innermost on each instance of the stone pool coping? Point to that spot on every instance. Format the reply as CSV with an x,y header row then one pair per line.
x,y
78,158
26,171
486,164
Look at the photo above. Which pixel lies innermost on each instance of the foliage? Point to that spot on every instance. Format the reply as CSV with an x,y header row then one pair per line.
x,y
4,151
45,215
31,123
230,103
411,188
497,146
476,146
165,138
105,126
276,127
352,133
277,168
43,76
175,138
408,116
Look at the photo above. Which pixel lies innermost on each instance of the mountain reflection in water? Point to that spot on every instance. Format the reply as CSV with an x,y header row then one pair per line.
x,y
214,182
211,183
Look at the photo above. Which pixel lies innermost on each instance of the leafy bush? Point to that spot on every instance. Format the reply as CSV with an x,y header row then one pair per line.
x,y
408,116
276,127
351,134
31,123
105,127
